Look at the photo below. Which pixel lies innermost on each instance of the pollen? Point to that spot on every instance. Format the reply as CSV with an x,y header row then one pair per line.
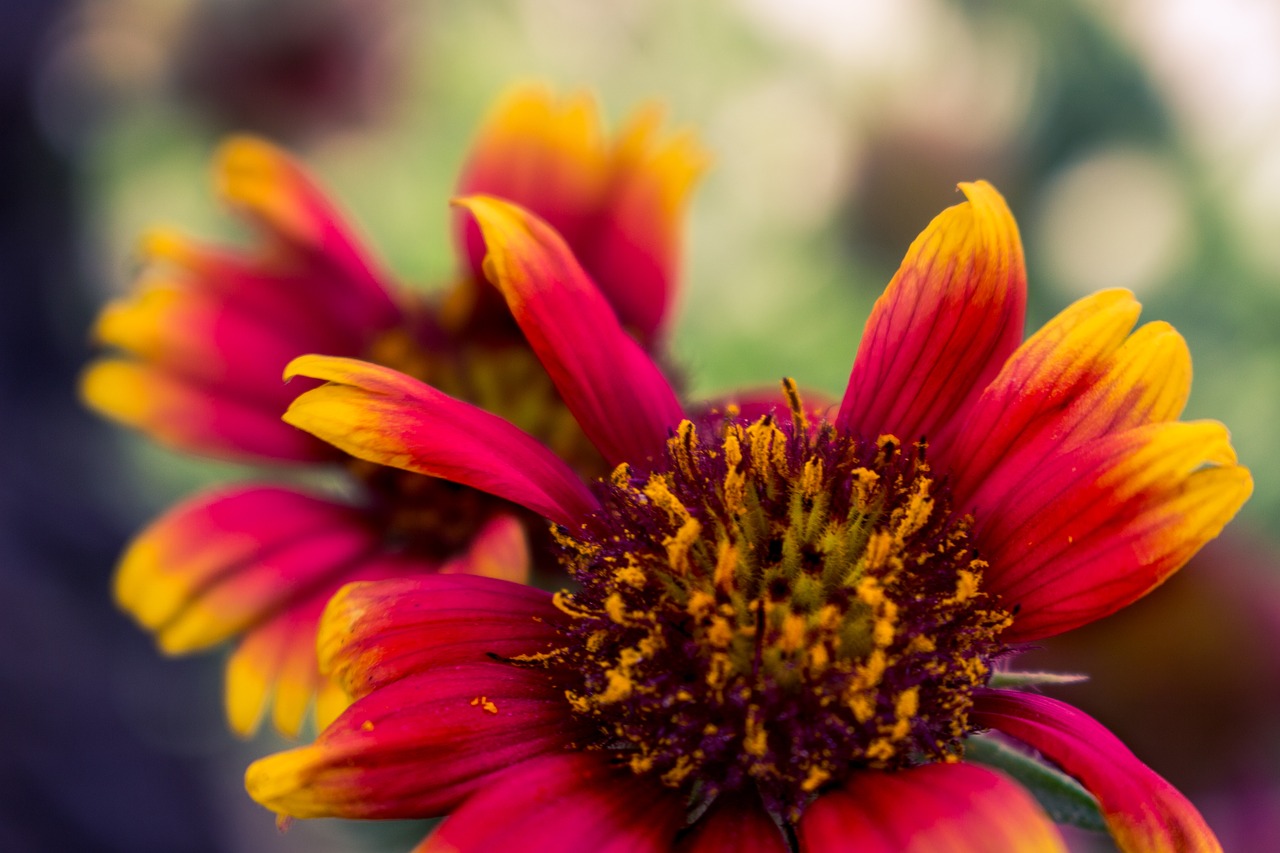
x,y
773,606
484,704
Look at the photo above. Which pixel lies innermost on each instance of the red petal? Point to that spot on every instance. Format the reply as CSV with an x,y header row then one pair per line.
x,y
193,417
615,391
376,633
1098,526
419,746
257,561
948,320
1145,813
499,550
227,559
269,186
959,808
574,803
1076,379
734,825
544,155
378,414
635,252
620,210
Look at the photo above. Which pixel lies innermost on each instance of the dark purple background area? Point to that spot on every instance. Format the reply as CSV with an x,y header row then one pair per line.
x,y
75,771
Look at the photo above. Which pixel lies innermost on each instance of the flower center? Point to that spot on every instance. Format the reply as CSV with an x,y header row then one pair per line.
x,y
776,607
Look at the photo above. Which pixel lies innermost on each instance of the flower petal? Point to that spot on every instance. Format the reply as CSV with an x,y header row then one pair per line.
x,y
1079,377
634,255
375,633
1145,813
206,340
960,808
1100,525
383,416
275,665
499,549
192,417
616,392
546,156
226,559
948,320
620,208
734,825
573,803
418,746
270,187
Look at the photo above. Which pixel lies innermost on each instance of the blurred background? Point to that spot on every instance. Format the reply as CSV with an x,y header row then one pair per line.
x,y
1138,142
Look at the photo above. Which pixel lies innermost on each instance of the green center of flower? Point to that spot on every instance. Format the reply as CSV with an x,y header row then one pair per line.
x,y
775,607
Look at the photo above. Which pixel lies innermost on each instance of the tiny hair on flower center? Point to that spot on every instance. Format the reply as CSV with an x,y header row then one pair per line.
x,y
775,605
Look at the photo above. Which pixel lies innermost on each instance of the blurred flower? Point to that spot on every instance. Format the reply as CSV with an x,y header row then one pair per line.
x,y
286,67
208,331
784,629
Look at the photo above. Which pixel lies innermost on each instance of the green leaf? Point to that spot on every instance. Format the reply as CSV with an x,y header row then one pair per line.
x,y
1058,794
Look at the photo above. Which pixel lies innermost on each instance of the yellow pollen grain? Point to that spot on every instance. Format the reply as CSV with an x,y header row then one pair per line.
x,y
621,476
793,632
659,492
620,686
921,644
864,488
907,704
720,633
862,706
881,749
726,564
684,447
614,606
819,658
879,548
678,546
735,478
917,511
701,604
794,403
483,703
631,574
755,741
882,633
683,767
816,776
718,670
641,763
366,726
811,479
869,591
563,601
966,587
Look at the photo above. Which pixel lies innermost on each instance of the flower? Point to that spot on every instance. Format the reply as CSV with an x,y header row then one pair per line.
x,y
784,628
208,330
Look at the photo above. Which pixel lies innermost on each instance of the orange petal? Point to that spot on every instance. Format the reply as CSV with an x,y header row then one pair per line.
x,y
615,391
377,414
1098,526
946,323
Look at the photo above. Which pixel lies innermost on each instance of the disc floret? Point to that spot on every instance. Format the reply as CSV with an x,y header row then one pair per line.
x,y
776,605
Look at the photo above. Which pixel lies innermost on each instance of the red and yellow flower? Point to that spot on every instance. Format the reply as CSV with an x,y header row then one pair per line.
x,y
783,628
207,331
